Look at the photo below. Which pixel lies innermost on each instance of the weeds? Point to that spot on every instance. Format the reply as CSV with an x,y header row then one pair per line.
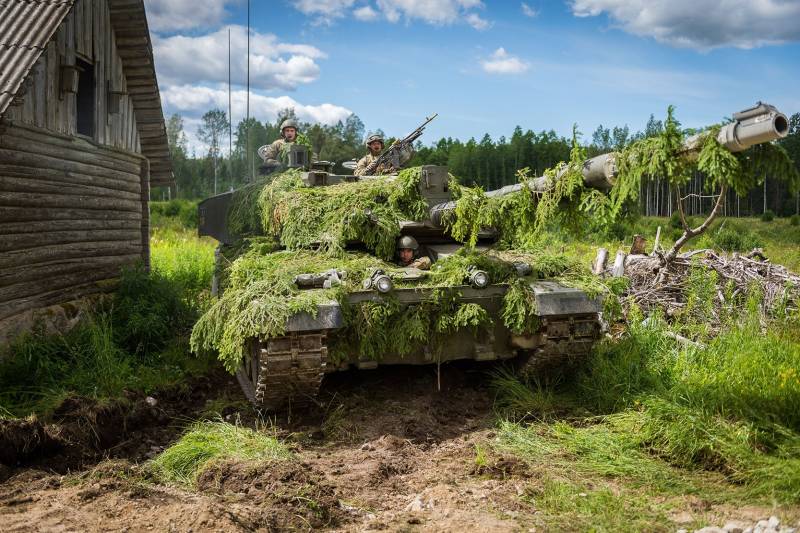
x,y
208,442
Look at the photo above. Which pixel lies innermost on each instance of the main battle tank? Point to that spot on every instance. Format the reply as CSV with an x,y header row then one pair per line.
x,y
288,364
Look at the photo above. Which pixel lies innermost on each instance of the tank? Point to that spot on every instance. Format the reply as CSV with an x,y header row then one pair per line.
x,y
288,367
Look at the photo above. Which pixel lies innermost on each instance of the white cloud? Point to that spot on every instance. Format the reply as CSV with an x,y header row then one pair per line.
x,y
702,24
528,11
437,12
191,101
204,59
365,13
475,20
172,15
501,62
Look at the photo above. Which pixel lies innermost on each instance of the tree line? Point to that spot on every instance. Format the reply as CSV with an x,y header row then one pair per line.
x,y
487,162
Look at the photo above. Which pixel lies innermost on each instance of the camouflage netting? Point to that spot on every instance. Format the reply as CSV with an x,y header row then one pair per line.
x,y
292,230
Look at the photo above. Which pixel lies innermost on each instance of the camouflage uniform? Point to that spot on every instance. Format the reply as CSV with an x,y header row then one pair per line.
x,y
364,162
383,168
272,152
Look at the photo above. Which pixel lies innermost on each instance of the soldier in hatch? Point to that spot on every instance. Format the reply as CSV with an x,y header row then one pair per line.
x,y
271,153
375,145
408,254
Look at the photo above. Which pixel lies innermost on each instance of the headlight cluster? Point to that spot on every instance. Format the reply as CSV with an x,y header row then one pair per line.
x,y
379,281
478,278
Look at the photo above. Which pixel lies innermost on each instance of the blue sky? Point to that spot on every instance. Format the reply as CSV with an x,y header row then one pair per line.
x,y
485,67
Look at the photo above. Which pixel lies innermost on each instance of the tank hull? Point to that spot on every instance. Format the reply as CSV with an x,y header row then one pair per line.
x,y
288,370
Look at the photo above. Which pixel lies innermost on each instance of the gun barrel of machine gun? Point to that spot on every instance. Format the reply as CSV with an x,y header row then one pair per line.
x,y
410,138
756,125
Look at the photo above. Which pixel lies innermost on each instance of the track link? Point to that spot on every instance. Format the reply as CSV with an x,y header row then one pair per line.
x,y
284,371
566,340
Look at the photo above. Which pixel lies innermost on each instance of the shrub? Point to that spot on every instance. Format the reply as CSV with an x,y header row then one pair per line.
x,y
767,216
182,212
794,220
675,220
148,310
732,238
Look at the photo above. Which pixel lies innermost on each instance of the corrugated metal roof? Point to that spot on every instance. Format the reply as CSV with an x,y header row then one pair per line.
x,y
26,27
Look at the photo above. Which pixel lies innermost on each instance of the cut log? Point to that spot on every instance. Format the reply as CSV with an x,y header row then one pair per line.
x,y
618,270
638,245
599,265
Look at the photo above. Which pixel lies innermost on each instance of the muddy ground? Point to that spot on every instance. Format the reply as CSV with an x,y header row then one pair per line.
x,y
386,451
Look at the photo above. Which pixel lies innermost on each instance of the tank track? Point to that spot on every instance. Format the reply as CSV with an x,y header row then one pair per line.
x,y
566,341
284,371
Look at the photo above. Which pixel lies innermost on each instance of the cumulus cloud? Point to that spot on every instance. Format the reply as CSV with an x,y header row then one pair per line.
x,y
173,15
204,59
702,24
365,13
475,20
191,101
528,11
501,62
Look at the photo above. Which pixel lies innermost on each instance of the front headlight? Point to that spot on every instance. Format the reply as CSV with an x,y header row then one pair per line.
x,y
479,279
383,283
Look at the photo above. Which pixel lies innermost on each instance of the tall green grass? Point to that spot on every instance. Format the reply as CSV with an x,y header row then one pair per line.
x,y
208,442
136,340
646,409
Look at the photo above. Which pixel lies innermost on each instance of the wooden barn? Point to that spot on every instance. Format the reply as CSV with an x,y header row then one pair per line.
x,y
82,140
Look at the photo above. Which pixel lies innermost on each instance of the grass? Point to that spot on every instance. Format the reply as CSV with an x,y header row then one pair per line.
x,y
648,419
206,443
136,340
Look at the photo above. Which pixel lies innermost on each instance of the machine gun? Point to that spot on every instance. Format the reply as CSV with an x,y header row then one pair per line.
x,y
392,154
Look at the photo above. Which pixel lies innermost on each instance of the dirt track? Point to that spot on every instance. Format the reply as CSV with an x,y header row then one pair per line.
x,y
386,452
390,453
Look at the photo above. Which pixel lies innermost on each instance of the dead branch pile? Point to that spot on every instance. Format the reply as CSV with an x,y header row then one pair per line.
x,y
667,287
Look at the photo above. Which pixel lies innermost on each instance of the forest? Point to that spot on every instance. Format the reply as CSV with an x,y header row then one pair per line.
x,y
488,163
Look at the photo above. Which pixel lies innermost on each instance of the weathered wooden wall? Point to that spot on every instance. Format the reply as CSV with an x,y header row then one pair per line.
x,y
87,34
71,215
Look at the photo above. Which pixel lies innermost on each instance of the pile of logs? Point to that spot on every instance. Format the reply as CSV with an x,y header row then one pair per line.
x,y
656,284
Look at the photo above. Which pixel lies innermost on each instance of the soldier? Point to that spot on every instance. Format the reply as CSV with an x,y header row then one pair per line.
x,y
408,254
271,153
375,145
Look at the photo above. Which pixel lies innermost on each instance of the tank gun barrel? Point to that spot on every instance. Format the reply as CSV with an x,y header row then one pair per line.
x,y
758,124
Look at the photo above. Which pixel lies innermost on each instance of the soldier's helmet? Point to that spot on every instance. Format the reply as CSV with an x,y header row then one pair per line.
x,y
374,137
407,241
288,123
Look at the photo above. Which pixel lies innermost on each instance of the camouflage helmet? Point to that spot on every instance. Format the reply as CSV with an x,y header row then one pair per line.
x,y
288,123
407,241
374,137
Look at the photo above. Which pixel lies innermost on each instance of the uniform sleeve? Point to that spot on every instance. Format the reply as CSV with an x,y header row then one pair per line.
x,y
422,263
271,152
361,166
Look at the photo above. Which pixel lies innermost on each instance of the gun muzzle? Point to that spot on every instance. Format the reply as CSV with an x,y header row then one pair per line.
x,y
758,124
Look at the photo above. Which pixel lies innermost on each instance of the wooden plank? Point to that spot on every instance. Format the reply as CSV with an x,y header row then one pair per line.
x,y
60,285
98,47
13,228
55,175
75,250
33,160
39,301
94,158
61,52
39,201
13,184
51,93
31,273
71,126
23,241
88,25
71,143
39,93
80,42
15,214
